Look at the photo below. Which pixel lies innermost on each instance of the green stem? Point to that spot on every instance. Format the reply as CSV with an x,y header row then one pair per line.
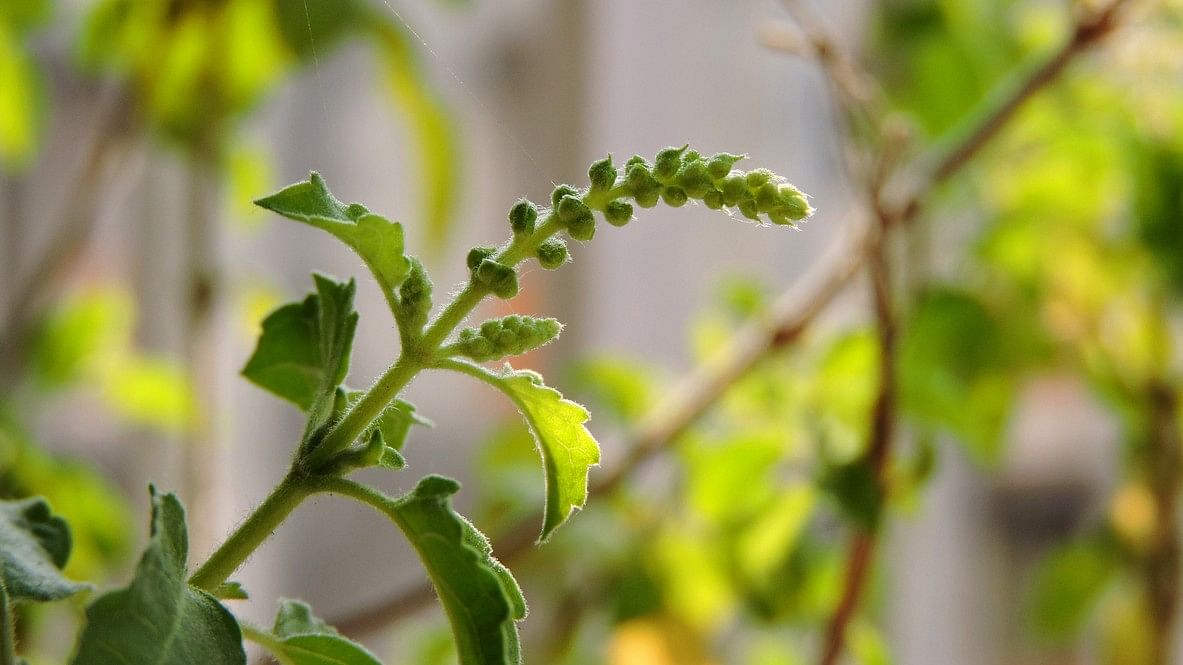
x,y
299,483
251,533
377,398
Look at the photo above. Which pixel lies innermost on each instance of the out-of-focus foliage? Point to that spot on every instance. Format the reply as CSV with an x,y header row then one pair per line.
x,y
197,69
21,95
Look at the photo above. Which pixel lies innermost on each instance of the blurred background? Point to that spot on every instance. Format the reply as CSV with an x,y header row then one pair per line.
x,y
1028,508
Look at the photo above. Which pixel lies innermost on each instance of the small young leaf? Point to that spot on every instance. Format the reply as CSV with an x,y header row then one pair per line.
x,y
231,591
34,546
568,449
303,352
395,422
377,240
159,618
300,638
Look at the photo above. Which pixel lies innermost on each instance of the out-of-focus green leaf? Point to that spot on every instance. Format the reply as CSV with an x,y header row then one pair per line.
x,y
957,369
311,28
1068,585
79,494
34,547
728,481
152,391
624,388
303,352
855,486
20,99
771,537
378,241
85,329
867,644
843,391
431,125
1158,207
159,618
568,449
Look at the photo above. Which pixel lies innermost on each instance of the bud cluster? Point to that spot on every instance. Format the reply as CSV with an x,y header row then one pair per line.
x,y
414,301
508,336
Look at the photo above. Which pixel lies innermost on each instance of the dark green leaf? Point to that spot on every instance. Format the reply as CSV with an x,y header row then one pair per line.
x,y
303,353
378,241
34,546
1158,208
159,618
479,595
855,486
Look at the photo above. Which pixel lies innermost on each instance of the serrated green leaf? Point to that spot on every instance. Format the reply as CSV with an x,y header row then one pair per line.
x,y
159,618
34,546
478,594
303,352
568,449
377,240
301,638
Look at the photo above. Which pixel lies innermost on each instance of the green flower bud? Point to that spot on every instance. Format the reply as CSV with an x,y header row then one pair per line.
x,y
356,211
522,216
719,165
781,218
666,166
767,197
674,197
642,185
508,336
792,202
552,254
581,223
734,189
561,191
478,254
713,199
749,209
695,179
758,177
636,159
491,329
414,302
691,156
618,213
602,174
501,279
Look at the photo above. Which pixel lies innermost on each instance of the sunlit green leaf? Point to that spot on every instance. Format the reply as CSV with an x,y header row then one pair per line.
x,y
378,241
34,547
20,100
568,449
159,618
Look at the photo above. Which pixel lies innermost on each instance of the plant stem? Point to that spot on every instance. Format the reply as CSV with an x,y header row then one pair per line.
x,y
251,533
377,398
7,629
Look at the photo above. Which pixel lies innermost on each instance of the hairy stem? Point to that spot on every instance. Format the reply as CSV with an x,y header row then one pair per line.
x,y
355,422
251,533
